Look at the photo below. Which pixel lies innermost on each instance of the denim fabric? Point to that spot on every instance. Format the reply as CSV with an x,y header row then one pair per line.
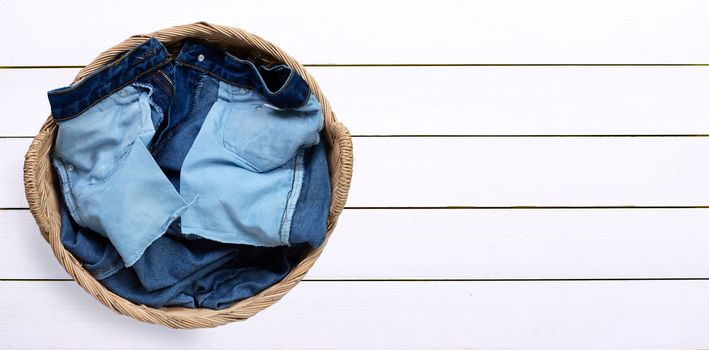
x,y
263,117
257,206
163,106
180,272
197,92
280,85
310,218
253,136
102,175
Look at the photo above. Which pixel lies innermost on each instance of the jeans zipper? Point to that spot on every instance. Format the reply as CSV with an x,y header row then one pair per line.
x,y
166,77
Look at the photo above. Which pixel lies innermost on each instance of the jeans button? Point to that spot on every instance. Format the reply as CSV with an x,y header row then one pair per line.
x,y
69,167
200,57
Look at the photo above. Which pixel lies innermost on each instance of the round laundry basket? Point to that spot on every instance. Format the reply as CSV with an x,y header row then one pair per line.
x,y
42,191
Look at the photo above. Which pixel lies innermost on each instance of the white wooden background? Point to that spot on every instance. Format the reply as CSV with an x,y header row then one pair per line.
x,y
529,174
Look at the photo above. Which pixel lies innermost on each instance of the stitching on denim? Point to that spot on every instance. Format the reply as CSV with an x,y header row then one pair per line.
x,y
107,180
253,66
214,75
130,81
109,270
72,195
227,145
67,192
197,93
233,83
170,133
293,196
231,237
101,186
117,160
150,53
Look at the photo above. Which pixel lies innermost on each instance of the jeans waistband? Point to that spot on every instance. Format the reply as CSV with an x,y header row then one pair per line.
x,y
280,85
68,102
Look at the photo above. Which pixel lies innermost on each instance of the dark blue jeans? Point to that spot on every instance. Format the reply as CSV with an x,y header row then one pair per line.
x,y
179,268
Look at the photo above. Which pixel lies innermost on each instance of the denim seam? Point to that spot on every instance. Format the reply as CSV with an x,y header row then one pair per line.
x,y
117,160
67,191
253,66
105,183
98,187
293,195
214,75
130,81
108,271
197,93
221,236
77,211
228,146
170,133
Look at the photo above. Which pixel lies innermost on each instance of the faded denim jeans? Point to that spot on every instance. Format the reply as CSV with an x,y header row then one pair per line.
x,y
223,156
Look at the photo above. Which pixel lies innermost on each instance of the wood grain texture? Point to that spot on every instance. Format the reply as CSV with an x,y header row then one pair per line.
x,y
355,315
446,31
459,100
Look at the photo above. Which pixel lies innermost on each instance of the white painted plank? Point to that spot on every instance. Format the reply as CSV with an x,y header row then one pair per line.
x,y
459,100
525,171
530,171
12,157
446,31
403,315
464,244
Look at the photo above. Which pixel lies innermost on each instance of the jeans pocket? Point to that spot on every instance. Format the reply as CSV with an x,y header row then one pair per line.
x,y
87,148
109,180
264,137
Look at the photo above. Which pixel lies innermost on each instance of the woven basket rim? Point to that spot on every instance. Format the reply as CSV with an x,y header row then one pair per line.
x,y
42,193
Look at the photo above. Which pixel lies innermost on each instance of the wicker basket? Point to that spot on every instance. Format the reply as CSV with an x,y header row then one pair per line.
x,y
42,191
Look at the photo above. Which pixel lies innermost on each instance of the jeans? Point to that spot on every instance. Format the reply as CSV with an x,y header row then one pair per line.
x,y
176,271
222,155
227,157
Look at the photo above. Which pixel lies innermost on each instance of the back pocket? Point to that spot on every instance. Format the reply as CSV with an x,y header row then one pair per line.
x,y
264,137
